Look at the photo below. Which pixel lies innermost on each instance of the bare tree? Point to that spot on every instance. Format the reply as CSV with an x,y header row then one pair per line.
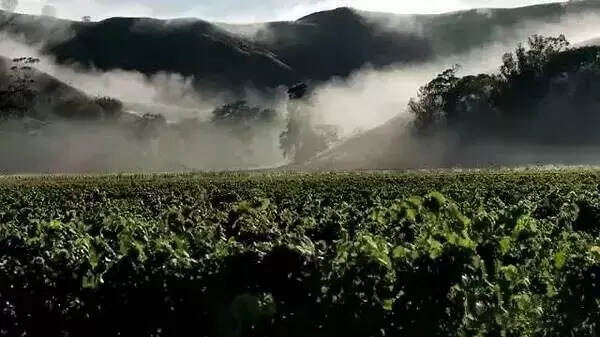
x,y
10,5
86,18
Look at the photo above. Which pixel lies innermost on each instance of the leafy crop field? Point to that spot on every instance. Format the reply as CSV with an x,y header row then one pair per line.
x,y
488,253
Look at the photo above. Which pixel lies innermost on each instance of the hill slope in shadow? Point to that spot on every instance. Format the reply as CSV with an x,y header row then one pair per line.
x,y
316,47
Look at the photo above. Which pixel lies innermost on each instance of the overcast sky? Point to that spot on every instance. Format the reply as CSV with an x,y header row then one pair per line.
x,y
249,10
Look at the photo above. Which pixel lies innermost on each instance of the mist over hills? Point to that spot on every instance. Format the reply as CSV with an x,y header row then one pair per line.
x,y
540,107
363,66
43,97
315,47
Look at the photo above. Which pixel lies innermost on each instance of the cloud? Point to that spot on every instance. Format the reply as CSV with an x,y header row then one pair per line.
x,y
68,146
375,101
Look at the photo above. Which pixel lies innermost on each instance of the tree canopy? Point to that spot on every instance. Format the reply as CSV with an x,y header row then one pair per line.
x,y
539,90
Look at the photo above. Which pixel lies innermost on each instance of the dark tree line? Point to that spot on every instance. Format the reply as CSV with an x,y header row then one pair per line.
x,y
544,92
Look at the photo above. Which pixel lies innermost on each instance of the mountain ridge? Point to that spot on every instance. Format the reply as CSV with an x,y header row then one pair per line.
x,y
317,46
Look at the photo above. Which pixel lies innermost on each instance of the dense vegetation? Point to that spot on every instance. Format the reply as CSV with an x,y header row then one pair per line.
x,y
545,93
540,106
491,253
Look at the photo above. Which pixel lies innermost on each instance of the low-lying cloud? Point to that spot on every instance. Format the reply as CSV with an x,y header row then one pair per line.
x,y
377,98
97,146
368,99
234,11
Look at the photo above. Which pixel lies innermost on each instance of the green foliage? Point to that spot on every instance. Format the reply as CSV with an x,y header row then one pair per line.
x,y
450,254
543,94
534,59
429,107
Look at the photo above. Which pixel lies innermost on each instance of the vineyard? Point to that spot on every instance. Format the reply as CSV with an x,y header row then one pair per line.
x,y
486,253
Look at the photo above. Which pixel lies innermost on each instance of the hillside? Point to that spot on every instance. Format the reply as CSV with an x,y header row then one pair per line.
x,y
541,107
227,58
43,97
318,46
190,47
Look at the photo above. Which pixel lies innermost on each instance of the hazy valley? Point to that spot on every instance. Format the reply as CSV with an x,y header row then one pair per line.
x,y
188,94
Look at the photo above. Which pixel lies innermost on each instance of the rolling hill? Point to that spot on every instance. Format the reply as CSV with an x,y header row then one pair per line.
x,y
316,47
50,99
544,110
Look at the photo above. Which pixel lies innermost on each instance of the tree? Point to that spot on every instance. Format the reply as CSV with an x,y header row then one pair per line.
x,y
241,120
16,98
469,101
523,75
149,125
240,111
429,107
86,18
297,91
531,61
302,138
49,10
10,5
544,92
113,108
301,141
